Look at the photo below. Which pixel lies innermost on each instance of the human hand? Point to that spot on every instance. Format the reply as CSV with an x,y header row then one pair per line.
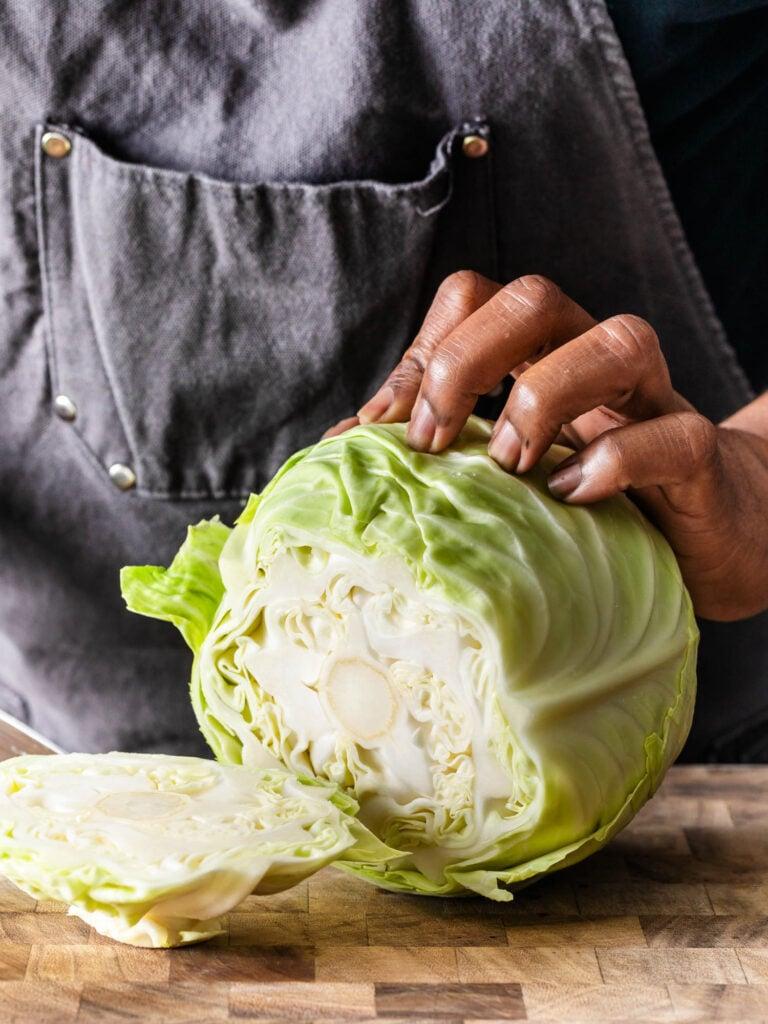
x,y
604,388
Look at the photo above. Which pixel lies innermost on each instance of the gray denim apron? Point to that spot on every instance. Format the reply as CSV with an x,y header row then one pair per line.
x,y
251,205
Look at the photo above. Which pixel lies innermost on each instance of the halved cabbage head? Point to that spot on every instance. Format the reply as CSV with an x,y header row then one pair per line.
x,y
500,679
152,850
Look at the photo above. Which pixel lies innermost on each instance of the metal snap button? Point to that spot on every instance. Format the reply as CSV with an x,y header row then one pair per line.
x,y
474,146
64,408
122,476
56,145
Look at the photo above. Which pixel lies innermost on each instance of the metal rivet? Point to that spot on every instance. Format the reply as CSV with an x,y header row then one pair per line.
x,y
474,146
122,476
56,145
64,408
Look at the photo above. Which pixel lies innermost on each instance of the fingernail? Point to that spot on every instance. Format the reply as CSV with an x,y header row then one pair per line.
x,y
421,429
376,406
566,478
505,446
340,428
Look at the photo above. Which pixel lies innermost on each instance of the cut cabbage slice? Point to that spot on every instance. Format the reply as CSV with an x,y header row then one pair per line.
x,y
152,850
499,678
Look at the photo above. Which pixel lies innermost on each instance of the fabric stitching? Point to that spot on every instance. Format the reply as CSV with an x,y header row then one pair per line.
x,y
188,495
47,288
45,275
175,181
77,239
48,305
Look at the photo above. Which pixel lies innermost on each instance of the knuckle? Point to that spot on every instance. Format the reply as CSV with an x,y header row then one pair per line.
x,y
535,292
700,437
455,300
609,455
632,339
460,288
526,398
443,368
541,289
413,363
407,374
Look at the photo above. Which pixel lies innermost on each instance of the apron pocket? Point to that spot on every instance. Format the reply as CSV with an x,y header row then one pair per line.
x,y
199,331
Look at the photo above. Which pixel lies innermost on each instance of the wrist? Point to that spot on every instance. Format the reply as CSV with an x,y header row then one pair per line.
x,y
752,418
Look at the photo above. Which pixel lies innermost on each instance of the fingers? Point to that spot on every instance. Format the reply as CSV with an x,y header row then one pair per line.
x,y
675,449
457,298
522,321
341,427
616,369
573,375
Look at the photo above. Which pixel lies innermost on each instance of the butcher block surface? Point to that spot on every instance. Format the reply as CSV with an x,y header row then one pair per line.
x,y
670,923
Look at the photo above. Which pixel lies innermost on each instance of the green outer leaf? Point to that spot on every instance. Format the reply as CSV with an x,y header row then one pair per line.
x,y
188,592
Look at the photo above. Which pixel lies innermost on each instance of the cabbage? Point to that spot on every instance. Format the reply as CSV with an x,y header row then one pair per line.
x,y
500,679
152,850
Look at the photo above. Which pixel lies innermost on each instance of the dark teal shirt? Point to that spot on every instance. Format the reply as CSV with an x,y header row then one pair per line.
x,y
701,68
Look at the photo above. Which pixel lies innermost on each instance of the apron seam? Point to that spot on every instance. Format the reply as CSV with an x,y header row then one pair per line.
x,y
48,302
77,248
187,495
175,180
45,274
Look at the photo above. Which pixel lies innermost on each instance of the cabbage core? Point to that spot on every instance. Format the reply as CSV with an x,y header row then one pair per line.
x,y
364,681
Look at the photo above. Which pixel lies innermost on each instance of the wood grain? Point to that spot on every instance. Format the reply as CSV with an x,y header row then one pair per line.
x,y
669,924
720,1002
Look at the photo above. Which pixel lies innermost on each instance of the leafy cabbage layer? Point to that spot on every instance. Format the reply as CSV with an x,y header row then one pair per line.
x,y
500,679
152,850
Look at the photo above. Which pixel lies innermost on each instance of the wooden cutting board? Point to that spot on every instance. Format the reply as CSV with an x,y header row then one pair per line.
x,y
670,923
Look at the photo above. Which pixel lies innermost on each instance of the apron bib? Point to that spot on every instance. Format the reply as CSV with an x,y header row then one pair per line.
x,y
238,236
